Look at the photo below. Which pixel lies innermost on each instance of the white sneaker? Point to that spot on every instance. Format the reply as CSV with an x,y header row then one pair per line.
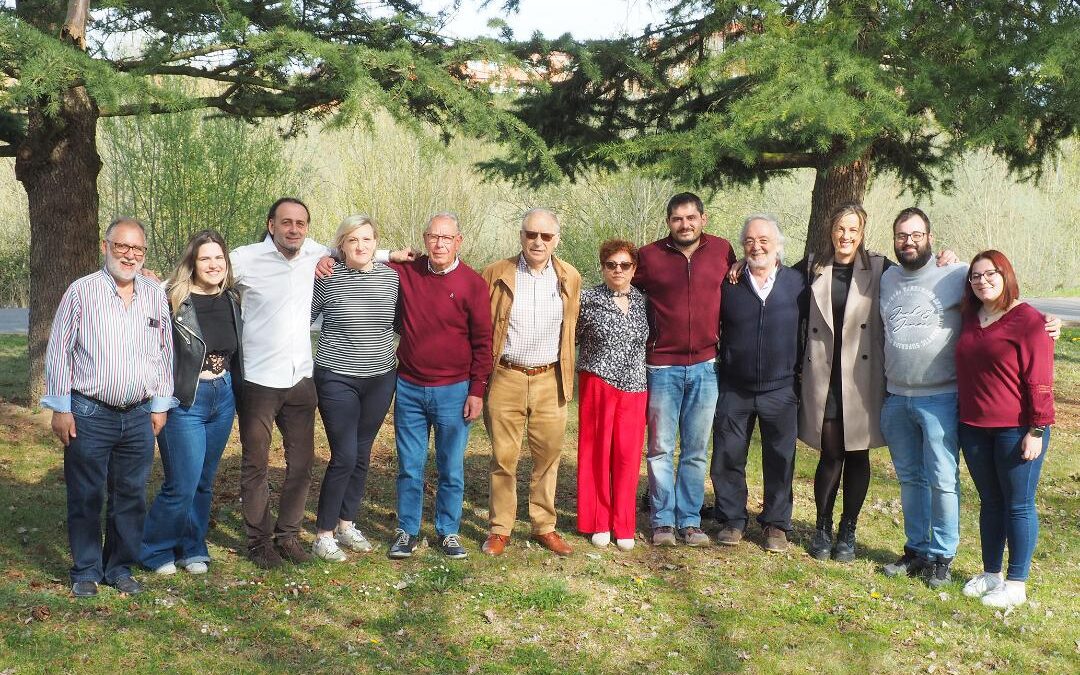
x,y
352,539
166,569
197,568
981,584
327,549
625,544
601,539
1010,594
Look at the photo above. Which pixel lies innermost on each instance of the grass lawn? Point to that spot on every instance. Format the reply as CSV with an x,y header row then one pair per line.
x,y
655,610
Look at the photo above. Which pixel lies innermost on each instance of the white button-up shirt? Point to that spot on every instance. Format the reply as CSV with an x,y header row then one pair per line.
x,y
764,289
276,304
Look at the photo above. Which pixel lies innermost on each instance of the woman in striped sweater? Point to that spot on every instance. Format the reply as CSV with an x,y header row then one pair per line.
x,y
355,372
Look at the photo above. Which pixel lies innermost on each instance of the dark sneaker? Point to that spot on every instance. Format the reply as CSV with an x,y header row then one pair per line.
x,y
939,573
452,548
84,589
663,535
845,542
291,550
265,556
775,539
729,536
127,585
694,536
821,543
404,544
910,564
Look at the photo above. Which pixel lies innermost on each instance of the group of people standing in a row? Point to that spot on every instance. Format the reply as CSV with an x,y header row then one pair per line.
x,y
847,352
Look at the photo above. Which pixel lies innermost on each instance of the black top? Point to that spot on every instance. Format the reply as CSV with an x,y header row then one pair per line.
x,y
611,344
218,330
841,284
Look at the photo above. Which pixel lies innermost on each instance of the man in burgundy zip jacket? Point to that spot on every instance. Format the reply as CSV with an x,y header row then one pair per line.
x,y
681,274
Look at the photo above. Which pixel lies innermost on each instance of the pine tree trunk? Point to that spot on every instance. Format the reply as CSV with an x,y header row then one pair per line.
x,y
58,165
833,186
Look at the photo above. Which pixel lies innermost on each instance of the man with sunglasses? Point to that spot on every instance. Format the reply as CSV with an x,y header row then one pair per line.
x,y
109,383
534,305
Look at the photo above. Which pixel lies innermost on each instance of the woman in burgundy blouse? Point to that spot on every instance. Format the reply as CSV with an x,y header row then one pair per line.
x,y
1005,373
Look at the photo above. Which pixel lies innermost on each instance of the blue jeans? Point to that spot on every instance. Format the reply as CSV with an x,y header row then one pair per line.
x,y
418,409
1006,485
922,435
191,445
111,456
682,400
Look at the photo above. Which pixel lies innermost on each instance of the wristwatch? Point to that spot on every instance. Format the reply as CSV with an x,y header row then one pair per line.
x,y
1037,432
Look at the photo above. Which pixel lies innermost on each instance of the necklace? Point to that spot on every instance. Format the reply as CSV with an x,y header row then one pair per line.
x,y
987,318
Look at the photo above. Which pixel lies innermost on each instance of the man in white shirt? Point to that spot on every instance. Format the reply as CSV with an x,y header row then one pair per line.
x,y
276,279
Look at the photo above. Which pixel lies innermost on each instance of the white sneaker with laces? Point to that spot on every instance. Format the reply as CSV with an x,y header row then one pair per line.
x,y
601,539
327,549
625,544
353,539
166,569
196,568
981,584
1010,594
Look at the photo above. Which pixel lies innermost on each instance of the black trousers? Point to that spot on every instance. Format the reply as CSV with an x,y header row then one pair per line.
x,y
736,411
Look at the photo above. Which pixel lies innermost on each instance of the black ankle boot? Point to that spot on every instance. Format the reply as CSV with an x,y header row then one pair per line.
x,y
821,542
845,541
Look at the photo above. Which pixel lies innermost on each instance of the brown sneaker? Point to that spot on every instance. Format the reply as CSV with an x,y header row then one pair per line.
x,y
554,543
495,544
729,536
663,535
265,556
775,539
291,550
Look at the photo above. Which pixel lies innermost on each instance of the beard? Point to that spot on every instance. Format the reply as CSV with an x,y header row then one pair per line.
x,y
913,260
118,271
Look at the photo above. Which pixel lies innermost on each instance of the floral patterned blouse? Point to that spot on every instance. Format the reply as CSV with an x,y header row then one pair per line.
x,y
612,344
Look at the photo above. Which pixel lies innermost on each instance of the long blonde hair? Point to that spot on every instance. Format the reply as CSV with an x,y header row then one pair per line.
x,y
838,214
180,281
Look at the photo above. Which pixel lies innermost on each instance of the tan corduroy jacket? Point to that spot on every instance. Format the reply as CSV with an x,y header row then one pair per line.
x,y
500,280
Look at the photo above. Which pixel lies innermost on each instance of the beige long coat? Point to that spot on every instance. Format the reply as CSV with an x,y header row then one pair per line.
x,y
862,357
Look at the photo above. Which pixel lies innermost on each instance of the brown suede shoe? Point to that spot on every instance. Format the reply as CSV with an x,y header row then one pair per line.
x,y
291,550
495,544
775,539
554,543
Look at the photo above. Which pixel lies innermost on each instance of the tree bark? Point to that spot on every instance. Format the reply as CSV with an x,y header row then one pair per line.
x,y
833,186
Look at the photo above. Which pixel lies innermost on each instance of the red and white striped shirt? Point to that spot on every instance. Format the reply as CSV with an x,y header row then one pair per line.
x,y
103,349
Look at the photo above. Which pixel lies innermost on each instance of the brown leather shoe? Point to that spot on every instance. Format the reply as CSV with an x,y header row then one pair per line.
x,y
495,544
554,543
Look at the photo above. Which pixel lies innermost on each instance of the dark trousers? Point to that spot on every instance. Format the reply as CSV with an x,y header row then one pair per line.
x,y
110,455
736,411
352,409
293,410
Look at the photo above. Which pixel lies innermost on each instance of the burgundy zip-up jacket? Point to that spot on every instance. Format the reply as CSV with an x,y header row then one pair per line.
x,y
684,299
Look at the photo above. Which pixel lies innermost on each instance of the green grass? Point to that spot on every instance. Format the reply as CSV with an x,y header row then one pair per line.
x,y
650,610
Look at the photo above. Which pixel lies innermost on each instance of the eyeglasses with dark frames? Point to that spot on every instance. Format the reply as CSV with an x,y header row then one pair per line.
x,y
122,249
545,236
988,276
624,266
915,237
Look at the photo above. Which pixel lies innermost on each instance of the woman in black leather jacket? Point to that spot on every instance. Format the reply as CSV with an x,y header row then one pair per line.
x,y
206,338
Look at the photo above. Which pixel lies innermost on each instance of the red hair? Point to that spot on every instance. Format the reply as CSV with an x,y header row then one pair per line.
x,y
1009,294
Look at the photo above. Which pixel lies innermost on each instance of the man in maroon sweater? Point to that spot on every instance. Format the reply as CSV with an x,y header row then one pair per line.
x,y
681,274
444,360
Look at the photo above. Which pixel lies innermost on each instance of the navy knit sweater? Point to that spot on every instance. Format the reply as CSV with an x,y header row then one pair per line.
x,y
759,342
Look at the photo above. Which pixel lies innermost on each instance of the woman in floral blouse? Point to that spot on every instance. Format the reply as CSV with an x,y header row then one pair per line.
x,y
611,333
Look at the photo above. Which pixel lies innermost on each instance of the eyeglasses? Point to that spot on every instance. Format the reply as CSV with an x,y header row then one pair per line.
x,y
123,249
624,266
440,238
988,276
915,237
545,236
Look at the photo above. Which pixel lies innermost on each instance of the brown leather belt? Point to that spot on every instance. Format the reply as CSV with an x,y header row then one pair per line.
x,y
528,370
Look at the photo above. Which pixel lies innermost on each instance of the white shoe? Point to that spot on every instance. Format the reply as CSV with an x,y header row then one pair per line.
x,y
327,549
197,568
625,544
352,539
981,584
166,569
601,539
1011,594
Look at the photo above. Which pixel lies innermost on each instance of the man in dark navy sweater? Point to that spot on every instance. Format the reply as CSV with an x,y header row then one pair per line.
x,y
759,353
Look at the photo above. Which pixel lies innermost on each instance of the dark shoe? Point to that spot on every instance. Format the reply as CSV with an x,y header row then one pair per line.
x,y
403,546
84,589
910,564
291,550
821,543
495,544
452,548
127,585
265,556
775,539
694,536
845,542
554,543
664,535
729,536
939,572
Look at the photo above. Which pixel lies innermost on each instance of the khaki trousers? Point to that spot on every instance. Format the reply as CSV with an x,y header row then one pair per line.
x,y
518,403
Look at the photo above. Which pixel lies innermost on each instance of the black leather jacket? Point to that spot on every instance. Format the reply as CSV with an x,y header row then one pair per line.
x,y
190,351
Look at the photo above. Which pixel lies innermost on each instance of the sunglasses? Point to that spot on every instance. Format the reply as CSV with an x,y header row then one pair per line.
x,y
624,266
531,236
